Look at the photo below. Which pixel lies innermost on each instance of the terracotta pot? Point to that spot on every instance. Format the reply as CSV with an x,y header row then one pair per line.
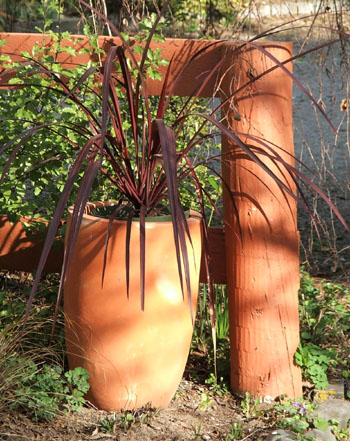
x,y
134,357
20,251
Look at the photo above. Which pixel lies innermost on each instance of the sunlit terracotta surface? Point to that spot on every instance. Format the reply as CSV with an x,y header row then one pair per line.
x,y
134,357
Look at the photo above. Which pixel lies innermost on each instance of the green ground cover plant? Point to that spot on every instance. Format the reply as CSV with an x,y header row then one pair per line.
x,y
32,379
32,374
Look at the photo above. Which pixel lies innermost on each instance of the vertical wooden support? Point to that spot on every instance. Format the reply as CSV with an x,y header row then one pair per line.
x,y
262,248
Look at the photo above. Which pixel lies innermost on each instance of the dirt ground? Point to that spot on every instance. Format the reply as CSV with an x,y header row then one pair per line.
x,y
192,415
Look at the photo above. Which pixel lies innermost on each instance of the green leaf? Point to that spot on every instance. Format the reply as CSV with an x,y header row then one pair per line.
x,y
320,423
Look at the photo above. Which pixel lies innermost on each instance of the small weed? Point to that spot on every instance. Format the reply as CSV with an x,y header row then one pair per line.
x,y
298,416
197,432
293,415
44,390
126,419
236,431
32,377
205,401
341,434
217,386
179,393
77,386
249,406
108,424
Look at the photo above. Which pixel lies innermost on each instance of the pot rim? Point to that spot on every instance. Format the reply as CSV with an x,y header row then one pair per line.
x,y
193,215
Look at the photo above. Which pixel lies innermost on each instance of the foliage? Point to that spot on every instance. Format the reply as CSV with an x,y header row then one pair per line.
x,y
26,11
324,321
314,362
32,378
324,311
202,332
346,377
199,15
37,175
31,374
44,390
135,147
203,337
298,416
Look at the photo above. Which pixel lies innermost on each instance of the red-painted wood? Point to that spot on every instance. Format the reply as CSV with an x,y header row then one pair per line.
x,y
262,264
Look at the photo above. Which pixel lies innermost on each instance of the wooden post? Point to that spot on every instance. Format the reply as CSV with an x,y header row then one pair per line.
x,y
262,248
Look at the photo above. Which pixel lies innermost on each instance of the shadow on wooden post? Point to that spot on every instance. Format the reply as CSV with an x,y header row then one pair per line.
x,y
262,253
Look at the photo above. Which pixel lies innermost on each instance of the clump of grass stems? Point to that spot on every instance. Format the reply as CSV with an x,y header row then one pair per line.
x,y
18,347
31,369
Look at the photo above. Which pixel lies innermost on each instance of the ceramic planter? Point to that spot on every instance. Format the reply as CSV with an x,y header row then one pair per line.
x,y
134,357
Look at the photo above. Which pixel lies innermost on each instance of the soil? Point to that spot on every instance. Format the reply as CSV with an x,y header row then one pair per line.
x,y
192,415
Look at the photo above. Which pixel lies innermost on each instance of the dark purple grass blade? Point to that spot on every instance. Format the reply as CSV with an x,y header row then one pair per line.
x,y
296,81
56,220
142,254
130,53
169,164
293,172
108,235
24,136
162,96
107,74
151,33
277,66
180,227
186,66
127,252
133,108
77,86
79,208
230,134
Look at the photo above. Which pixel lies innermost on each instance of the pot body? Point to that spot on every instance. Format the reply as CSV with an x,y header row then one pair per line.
x,y
134,357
